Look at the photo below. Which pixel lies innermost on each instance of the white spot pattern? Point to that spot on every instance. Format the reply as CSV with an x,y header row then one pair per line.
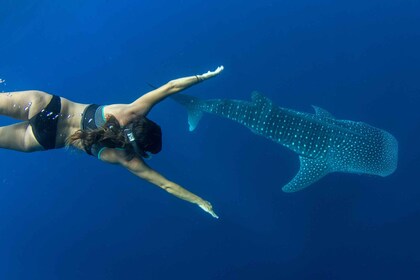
x,y
323,143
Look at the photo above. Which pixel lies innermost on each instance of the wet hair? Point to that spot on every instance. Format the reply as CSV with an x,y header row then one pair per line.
x,y
148,137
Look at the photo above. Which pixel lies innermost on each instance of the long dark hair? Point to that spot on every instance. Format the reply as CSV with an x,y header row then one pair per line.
x,y
147,133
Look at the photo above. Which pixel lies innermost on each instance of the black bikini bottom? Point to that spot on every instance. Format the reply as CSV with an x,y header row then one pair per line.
x,y
44,124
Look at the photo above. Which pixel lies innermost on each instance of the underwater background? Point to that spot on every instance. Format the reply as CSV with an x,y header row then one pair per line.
x,y
65,215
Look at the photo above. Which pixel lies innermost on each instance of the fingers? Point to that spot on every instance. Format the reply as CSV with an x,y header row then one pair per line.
x,y
211,74
211,212
214,214
206,206
219,69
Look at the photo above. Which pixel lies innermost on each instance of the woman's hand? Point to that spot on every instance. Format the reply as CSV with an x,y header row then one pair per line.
x,y
210,74
206,206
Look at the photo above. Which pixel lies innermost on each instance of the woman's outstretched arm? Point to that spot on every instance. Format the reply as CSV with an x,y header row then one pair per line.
x,y
144,103
139,168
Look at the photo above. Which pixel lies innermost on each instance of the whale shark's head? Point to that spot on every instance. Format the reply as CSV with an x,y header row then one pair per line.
x,y
388,153
378,154
369,150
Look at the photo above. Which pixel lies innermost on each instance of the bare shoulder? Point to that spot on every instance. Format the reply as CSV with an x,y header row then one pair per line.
x,y
114,156
118,156
120,111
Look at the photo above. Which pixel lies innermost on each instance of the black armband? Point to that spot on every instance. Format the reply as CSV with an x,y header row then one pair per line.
x,y
199,79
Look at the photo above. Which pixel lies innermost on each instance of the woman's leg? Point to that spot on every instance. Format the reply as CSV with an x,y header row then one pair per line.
x,y
19,137
22,105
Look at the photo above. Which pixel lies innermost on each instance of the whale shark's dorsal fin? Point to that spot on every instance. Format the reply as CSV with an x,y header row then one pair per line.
x,y
311,170
260,99
322,112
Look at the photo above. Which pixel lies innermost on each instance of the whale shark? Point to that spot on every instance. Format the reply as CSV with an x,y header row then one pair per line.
x,y
324,144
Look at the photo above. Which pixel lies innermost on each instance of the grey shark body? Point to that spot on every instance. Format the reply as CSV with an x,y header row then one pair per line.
x,y
323,143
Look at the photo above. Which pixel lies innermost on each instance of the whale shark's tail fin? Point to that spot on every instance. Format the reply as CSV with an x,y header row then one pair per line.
x,y
192,106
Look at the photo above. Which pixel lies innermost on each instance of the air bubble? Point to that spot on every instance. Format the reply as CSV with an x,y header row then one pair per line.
x,y
29,106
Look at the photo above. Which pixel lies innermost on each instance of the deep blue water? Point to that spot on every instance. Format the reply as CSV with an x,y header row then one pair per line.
x,y
64,215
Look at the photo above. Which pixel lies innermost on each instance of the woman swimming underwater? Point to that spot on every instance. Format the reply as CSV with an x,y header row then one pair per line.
x,y
117,133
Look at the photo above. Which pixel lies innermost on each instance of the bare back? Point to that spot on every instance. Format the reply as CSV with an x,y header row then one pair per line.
x,y
69,121
72,114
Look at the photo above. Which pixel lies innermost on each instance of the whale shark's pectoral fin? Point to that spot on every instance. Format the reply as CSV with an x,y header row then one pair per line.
x,y
311,170
322,112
